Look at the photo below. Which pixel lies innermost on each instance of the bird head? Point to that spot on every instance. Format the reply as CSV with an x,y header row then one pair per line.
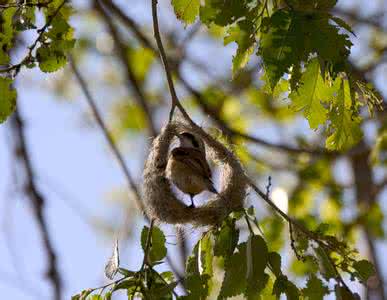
x,y
189,140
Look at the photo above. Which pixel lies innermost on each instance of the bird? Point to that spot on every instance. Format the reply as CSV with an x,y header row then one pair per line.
x,y
188,168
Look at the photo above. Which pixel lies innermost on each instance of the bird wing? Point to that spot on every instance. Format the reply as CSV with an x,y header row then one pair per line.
x,y
194,159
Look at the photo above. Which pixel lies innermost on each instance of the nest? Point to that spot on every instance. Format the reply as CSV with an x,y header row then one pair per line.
x,y
161,202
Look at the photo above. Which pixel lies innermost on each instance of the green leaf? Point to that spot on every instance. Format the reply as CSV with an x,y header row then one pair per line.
x,y
125,272
342,23
345,122
290,37
186,10
244,18
6,34
205,252
282,285
107,296
364,270
246,46
141,60
315,289
168,276
257,258
226,239
192,266
275,263
52,57
50,60
281,44
312,4
223,13
197,285
234,282
310,95
124,284
343,293
24,19
7,98
157,250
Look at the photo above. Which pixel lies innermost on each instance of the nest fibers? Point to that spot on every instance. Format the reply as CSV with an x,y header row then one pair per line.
x,y
160,201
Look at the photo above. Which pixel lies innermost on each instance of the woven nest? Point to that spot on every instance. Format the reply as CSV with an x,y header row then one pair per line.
x,y
161,202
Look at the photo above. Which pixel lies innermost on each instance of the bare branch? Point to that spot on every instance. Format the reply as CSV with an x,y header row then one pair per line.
x,y
175,100
106,133
129,73
37,202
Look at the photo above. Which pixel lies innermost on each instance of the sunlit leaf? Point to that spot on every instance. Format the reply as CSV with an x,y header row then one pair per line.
x,y
157,249
7,98
186,10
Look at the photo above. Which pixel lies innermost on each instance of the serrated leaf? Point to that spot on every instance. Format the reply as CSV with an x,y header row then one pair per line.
x,y
246,46
315,289
52,57
221,12
226,239
197,285
282,285
364,270
186,10
234,282
280,44
6,33
7,98
310,95
257,258
290,37
157,250
345,123
275,263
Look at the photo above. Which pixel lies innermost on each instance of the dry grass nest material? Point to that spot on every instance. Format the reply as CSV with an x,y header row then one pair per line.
x,y
161,202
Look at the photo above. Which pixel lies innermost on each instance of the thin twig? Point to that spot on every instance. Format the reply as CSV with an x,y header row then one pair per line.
x,y
106,133
139,94
175,100
293,243
37,202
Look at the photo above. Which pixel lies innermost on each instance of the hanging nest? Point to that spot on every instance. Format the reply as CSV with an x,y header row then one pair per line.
x,y
161,202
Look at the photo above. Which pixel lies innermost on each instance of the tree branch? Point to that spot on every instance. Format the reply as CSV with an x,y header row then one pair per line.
x,y
131,79
175,100
90,101
37,201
